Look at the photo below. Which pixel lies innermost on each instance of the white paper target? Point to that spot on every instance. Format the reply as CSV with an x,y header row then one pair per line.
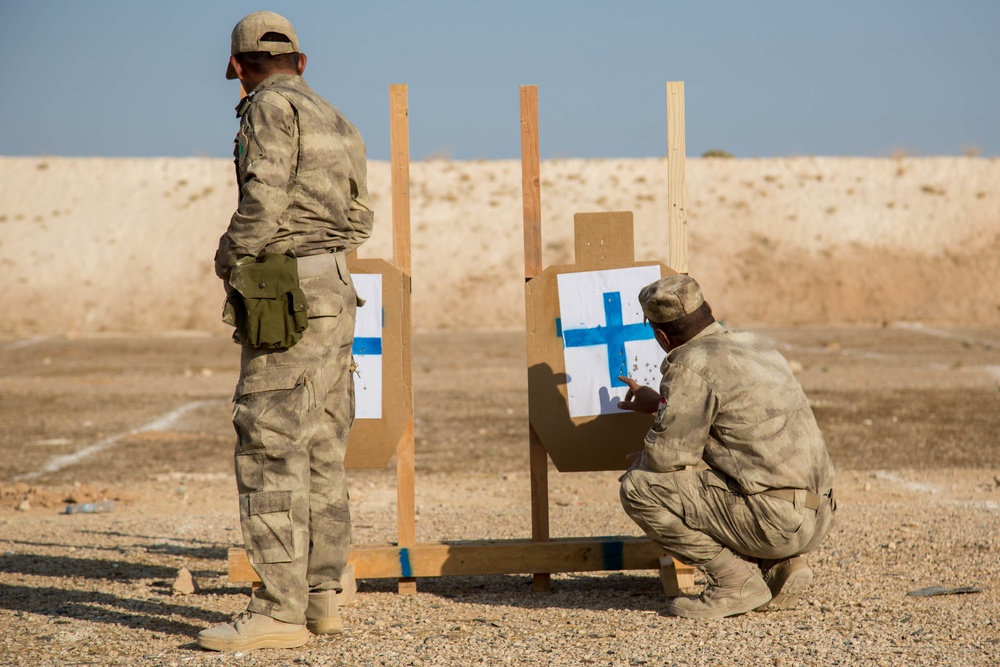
x,y
604,337
367,348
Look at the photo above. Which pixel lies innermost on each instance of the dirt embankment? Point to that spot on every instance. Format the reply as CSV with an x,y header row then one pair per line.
x,y
93,245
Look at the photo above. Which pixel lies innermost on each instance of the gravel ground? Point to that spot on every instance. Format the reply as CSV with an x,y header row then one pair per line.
x,y
911,418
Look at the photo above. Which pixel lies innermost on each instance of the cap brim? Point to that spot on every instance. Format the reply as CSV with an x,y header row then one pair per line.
x,y
230,72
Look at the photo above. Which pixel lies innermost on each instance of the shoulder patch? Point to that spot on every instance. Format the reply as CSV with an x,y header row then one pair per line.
x,y
241,144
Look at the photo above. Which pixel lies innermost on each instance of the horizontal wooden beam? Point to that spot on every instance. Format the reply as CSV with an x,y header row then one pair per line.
x,y
437,559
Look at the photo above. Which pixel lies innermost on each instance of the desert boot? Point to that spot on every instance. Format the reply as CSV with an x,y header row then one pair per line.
x,y
322,615
734,587
787,579
249,631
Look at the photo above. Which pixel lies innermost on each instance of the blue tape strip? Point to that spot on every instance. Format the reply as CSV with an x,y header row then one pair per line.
x,y
613,553
405,569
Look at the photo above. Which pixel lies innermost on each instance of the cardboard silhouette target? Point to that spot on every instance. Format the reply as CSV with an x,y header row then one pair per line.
x,y
585,328
382,380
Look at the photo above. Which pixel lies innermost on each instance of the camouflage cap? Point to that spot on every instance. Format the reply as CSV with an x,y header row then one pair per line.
x,y
670,298
248,32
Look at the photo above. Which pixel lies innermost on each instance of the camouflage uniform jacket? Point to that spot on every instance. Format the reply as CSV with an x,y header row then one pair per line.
x,y
732,401
301,171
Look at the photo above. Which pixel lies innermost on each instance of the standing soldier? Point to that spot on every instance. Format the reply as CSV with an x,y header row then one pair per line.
x,y
729,400
300,167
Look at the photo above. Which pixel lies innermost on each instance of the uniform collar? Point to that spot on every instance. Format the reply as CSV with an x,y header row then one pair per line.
x,y
710,330
289,79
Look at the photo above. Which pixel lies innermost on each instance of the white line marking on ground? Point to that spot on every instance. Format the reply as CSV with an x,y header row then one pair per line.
x,y
905,483
59,462
24,342
943,333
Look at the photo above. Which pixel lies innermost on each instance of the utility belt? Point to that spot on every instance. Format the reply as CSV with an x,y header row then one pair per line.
x,y
813,501
318,265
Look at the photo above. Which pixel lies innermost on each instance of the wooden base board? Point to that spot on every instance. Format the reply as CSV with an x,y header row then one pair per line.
x,y
676,577
436,559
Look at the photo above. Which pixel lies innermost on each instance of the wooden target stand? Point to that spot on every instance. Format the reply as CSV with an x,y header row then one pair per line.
x,y
603,241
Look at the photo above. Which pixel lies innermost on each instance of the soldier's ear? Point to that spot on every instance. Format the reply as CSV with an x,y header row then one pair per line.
x,y
661,338
235,65
300,67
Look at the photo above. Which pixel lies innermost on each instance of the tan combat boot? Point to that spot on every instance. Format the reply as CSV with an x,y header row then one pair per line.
x,y
322,615
788,579
249,631
734,587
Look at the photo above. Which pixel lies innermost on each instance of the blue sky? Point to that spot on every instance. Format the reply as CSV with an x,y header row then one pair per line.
x,y
769,78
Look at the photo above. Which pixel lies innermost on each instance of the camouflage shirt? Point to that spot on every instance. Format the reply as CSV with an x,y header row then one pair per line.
x,y
732,401
301,171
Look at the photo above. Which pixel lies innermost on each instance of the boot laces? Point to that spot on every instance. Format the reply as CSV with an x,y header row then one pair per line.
x,y
243,618
710,587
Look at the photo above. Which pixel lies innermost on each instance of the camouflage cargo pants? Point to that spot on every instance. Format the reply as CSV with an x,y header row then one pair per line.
x,y
293,413
693,514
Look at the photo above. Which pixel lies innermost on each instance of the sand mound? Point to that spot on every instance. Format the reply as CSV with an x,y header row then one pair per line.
x,y
91,245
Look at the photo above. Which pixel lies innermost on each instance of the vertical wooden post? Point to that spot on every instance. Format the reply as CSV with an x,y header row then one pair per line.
x,y
531,196
676,576
399,146
539,467
531,184
400,167
676,192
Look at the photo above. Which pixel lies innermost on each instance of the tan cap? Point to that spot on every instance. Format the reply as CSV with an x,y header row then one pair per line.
x,y
248,32
670,298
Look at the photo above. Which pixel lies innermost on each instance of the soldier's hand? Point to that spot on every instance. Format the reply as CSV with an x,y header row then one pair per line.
x,y
639,398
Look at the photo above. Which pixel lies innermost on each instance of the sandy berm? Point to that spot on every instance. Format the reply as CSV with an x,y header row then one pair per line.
x,y
94,245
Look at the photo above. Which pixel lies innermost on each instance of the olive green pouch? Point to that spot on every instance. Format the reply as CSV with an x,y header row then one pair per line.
x,y
266,305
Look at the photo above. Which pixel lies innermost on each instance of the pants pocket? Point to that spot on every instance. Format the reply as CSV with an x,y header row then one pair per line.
x,y
267,526
778,518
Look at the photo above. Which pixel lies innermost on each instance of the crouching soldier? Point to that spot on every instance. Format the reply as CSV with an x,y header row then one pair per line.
x,y
730,400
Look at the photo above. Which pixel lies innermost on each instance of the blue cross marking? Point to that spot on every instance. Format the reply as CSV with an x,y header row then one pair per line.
x,y
367,346
614,335
370,345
